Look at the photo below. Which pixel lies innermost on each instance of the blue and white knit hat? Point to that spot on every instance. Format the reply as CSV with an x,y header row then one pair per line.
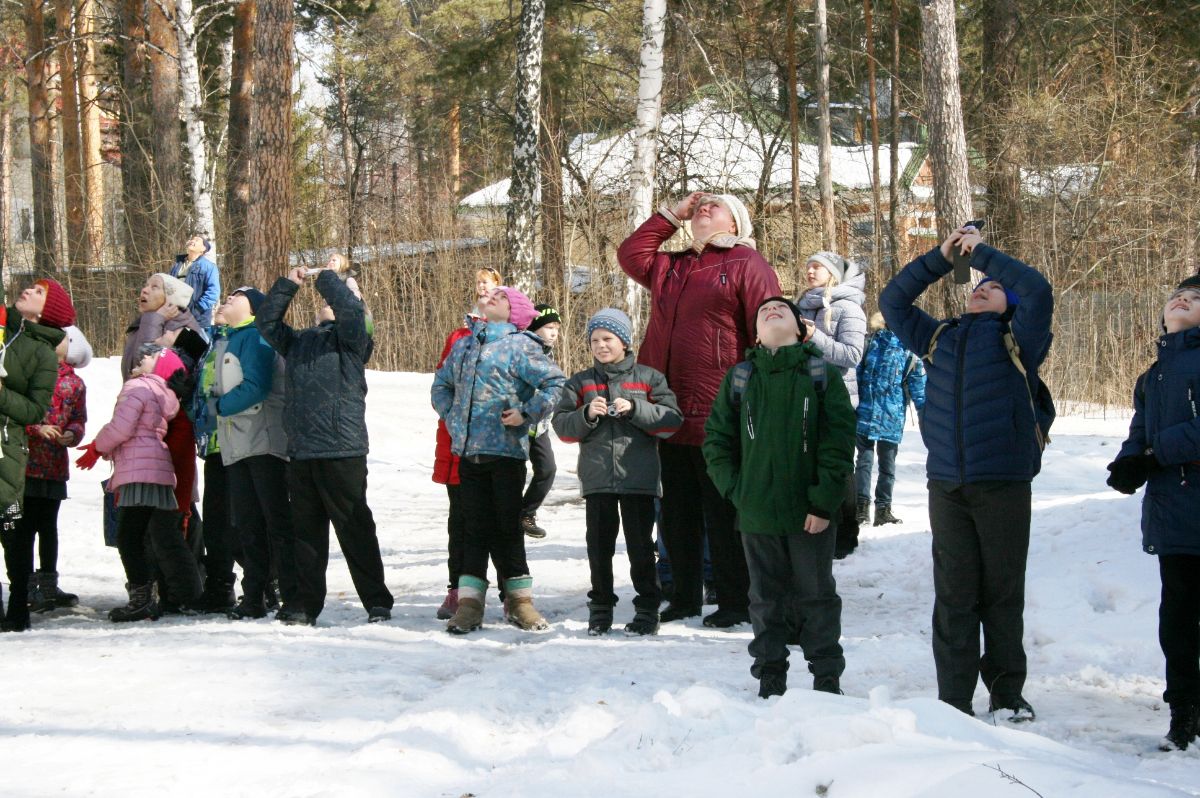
x,y
615,321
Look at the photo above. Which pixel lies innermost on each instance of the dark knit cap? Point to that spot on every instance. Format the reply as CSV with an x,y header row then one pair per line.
x,y
252,294
1190,282
791,306
546,315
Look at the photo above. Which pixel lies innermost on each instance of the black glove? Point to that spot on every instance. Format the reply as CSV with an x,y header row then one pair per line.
x,y
1131,472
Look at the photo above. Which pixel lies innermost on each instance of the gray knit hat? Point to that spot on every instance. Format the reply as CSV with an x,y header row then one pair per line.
x,y
832,261
615,321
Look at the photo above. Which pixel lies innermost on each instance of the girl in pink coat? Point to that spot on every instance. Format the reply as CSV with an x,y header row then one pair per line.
x,y
148,515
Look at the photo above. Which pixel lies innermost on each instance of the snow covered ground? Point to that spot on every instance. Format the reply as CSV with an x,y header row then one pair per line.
x,y
209,706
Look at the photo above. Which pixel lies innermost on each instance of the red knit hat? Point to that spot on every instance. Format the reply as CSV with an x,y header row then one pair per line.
x,y
58,310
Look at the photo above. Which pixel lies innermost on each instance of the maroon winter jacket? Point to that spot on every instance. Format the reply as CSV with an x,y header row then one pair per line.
x,y
701,314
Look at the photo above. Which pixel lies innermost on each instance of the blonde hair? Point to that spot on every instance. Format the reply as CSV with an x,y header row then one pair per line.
x,y
877,321
828,289
490,274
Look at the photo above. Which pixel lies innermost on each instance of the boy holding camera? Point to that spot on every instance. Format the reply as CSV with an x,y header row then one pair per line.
x,y
617,410
779,445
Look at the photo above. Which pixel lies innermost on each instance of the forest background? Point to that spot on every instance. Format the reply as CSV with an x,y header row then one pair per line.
x,y
288,130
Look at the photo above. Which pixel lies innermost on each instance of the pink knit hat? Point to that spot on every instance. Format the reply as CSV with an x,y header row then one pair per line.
x,y
521,310
168,363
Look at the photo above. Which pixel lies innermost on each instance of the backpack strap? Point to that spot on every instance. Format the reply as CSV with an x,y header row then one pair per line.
x,y
1014,354
928,356
737,382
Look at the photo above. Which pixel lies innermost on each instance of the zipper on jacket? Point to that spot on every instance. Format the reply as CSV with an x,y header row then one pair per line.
x,y
804,425
1183,466
958,401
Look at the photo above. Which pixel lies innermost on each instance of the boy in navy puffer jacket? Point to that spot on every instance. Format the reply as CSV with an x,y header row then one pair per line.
x,y
1163,453
980,430
495,383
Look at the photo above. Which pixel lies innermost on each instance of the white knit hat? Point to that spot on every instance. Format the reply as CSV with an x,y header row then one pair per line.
x,y
177,291
741,220
79,351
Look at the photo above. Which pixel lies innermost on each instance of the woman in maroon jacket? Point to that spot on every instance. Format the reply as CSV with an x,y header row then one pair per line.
x,y
702,315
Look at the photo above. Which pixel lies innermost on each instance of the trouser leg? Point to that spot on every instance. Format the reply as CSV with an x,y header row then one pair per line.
x,y
343,486
603,523
1179,626
957,562
250,524
730,576
541,460
887,473
682,527
311,523
637,520
863,464
769,599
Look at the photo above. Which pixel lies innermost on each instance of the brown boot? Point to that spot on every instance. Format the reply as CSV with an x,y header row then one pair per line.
x,y
467,618
520,612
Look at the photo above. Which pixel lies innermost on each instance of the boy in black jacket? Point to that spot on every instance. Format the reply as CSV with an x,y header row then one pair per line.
x,y
325,421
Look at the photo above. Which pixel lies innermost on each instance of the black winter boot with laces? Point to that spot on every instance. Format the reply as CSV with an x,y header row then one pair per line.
x,y
1185,726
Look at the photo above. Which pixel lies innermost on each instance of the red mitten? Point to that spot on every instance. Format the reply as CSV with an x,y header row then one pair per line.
x,y
89,457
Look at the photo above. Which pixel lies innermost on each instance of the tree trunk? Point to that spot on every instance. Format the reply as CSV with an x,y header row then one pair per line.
x,y
552,143
237,168
193,115
137,185
824,142
894,143
943,112
522,206
6,183
71,143
455,155
876,202
1000,25
270,219
794,132
89,124
645,142
37,76
165,144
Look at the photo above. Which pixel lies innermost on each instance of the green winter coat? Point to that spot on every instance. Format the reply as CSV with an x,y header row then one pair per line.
x,y
787,450
27,388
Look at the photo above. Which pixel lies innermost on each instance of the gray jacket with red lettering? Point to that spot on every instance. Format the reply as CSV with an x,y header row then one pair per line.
x,y
618,454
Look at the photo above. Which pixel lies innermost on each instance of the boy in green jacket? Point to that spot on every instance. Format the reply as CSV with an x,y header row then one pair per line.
x,y
779,444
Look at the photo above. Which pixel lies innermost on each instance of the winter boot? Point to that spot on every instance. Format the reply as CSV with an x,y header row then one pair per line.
x,y
143,604
294,616
449,605
468,615
38,601
883,515
1022,712
247,609
827,684
49,581
17,617
518,605
1185,726
772,682
726,619
645,622
217,596
529,526
863,513
600,617
677,612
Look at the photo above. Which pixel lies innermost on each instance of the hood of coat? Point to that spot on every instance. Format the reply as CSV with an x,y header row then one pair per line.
x,y
165,396
785,357
1184,339
852,289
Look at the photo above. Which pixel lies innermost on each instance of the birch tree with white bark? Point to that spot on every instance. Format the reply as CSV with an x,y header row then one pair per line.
x,y
522,192
645,143
192,100
824,142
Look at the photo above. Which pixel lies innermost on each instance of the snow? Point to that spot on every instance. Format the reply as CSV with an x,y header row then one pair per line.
x,y
717,149
193,706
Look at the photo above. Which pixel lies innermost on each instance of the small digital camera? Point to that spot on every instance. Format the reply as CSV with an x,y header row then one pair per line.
x,y
613,411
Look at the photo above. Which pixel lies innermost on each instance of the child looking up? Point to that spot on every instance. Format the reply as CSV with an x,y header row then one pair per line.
x,y
778,445
616,411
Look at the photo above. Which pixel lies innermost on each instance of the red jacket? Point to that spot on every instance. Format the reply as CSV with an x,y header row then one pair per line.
x,y
68,412
445,464
702,314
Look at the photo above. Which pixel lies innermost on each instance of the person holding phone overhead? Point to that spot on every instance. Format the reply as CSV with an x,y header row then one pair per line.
x,y
984,439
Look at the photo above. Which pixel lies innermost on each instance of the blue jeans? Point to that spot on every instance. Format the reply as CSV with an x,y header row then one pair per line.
x,y
887,469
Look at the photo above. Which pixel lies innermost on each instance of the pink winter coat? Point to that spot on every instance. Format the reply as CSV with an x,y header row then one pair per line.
x,y
702,314
133,440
